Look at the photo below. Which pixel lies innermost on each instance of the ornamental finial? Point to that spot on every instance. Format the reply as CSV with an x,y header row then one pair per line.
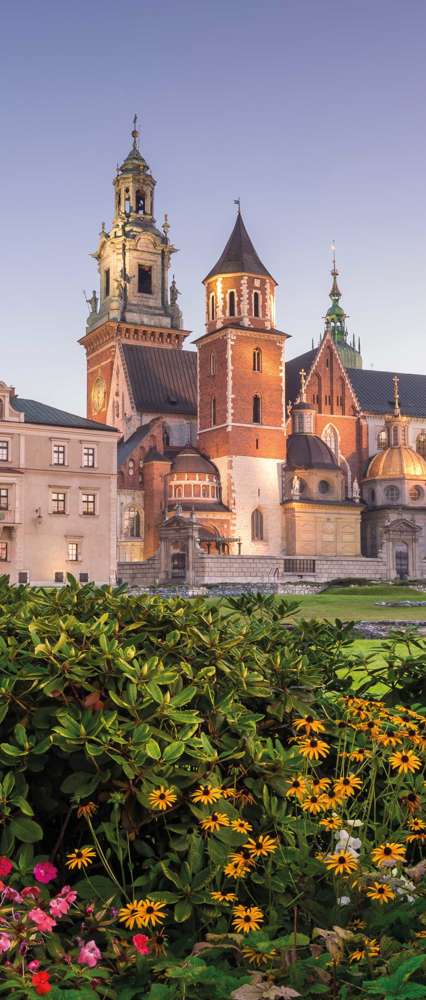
x,y
135,133
302,390
237,201
396,407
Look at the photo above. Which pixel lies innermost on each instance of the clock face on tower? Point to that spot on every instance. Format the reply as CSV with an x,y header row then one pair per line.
x,y
98,394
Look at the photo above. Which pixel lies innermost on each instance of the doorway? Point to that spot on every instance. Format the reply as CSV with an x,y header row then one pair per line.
x,y
401,560
178,565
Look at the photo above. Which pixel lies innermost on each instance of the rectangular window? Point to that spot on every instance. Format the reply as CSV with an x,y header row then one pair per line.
x,y
3,551
4,451
88,503
57,501
89,457
145,280
4,499
59,454
107,282
73,551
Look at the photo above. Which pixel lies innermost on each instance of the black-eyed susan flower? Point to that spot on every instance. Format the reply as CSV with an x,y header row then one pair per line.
x,y
360,755
314,804
152,912
242,856
331,798
332,823
241,825
348,785
258,958
297,787
319,784
388,854
80,858
158,943
312,748
309,725
341,863
370,949
132,914
388,740
412,802
236,869
247,918
405,762
417,833
223,897
86,810
206,795
214,822
381,892
261,846
162,798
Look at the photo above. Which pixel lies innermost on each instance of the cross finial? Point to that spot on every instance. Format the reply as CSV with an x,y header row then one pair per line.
x,y
333,250
135,133
302,374
396,408
237,201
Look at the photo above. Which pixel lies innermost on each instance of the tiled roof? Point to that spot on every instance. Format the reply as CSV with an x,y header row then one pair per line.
x,y
125,448
40,413
239,255
292,369
374,390
162,379
236,325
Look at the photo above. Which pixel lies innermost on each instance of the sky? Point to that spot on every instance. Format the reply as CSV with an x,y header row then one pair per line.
x,y
310,111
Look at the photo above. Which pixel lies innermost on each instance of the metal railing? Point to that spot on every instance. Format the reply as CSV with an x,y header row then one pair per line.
x,y
299,566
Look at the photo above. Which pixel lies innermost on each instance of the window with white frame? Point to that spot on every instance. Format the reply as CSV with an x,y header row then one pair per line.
x,y
89,456
4,498
58,502
73,552
3,551
59,453
256,304
88,504
4,451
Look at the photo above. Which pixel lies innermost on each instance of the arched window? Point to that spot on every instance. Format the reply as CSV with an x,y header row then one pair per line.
x,y
256,304
257,409
382,440
205,491
231,304
331,438
212,306
134,523
212,363
257,526
324,486
421,443
178,492
140,202
392,494
257,360
213,411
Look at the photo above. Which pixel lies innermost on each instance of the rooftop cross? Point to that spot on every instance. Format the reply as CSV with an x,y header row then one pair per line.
x,y
397,407
302,391
135,133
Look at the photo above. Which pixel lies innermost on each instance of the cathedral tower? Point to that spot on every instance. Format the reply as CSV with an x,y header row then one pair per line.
x,y
335,324
135,303
241,390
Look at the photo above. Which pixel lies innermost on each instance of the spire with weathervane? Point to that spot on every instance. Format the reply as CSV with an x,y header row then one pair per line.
x,y
335,323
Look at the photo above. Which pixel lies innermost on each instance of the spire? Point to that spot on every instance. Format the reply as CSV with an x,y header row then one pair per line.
x,y
134,159
135,134
335,294
302,389
239,255
396,402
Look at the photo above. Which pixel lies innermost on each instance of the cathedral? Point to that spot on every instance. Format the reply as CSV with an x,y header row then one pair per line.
x,y
235,463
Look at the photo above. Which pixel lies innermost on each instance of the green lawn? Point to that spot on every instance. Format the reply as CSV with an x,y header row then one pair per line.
x,y
355,603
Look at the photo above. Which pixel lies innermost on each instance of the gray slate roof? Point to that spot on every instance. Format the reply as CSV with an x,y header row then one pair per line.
x,y
374,390
125,448
163,380
239,255
292,369
40,413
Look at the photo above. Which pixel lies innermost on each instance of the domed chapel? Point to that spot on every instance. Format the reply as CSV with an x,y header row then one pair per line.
x,y
234,462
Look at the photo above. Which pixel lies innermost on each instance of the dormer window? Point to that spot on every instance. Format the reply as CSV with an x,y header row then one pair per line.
x,y
256,304
144,280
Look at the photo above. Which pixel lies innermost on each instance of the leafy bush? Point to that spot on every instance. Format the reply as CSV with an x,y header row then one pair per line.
x,y
221,801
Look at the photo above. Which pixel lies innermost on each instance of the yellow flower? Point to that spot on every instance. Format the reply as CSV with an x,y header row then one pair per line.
x,y
360,755
341,863
236,869
162,798
312,748
152,912
258,958
388,854
405,761
348,786
242,857
214,822
80,858
297,788
331,798
332,823
314,804
132,914
381,892
319,784
206,794
309,725
417,824
370,949
247,918
87,810
412,802
262,846
223,897
241,825
388,740
420,934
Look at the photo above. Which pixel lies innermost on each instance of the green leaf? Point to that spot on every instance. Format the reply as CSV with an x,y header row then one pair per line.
x,y
184,696
183,910
26,830
96,886
153,750
173,751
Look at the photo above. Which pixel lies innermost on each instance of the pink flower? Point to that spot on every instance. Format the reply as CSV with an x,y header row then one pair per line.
x,y
59,906
31,890
5,943
44,872
34,965
89,955
5,867
68,894
141,943
42,920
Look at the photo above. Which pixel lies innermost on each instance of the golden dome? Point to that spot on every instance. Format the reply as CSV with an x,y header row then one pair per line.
x,y
397,463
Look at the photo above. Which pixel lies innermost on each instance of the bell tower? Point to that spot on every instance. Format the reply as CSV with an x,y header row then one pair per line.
x,y
135,302
241,390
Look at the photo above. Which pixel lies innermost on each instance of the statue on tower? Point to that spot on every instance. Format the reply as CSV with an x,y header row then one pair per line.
x,y
92,302
175,311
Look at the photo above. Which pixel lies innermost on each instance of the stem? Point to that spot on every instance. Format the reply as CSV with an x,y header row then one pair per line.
x,y
62,833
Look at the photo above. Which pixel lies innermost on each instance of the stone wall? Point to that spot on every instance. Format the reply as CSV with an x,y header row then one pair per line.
x,y
140,574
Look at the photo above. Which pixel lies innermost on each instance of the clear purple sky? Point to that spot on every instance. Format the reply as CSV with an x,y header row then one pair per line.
x,y
312,111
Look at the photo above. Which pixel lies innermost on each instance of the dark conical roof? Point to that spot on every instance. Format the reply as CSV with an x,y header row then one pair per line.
x,y
307,451
239,255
